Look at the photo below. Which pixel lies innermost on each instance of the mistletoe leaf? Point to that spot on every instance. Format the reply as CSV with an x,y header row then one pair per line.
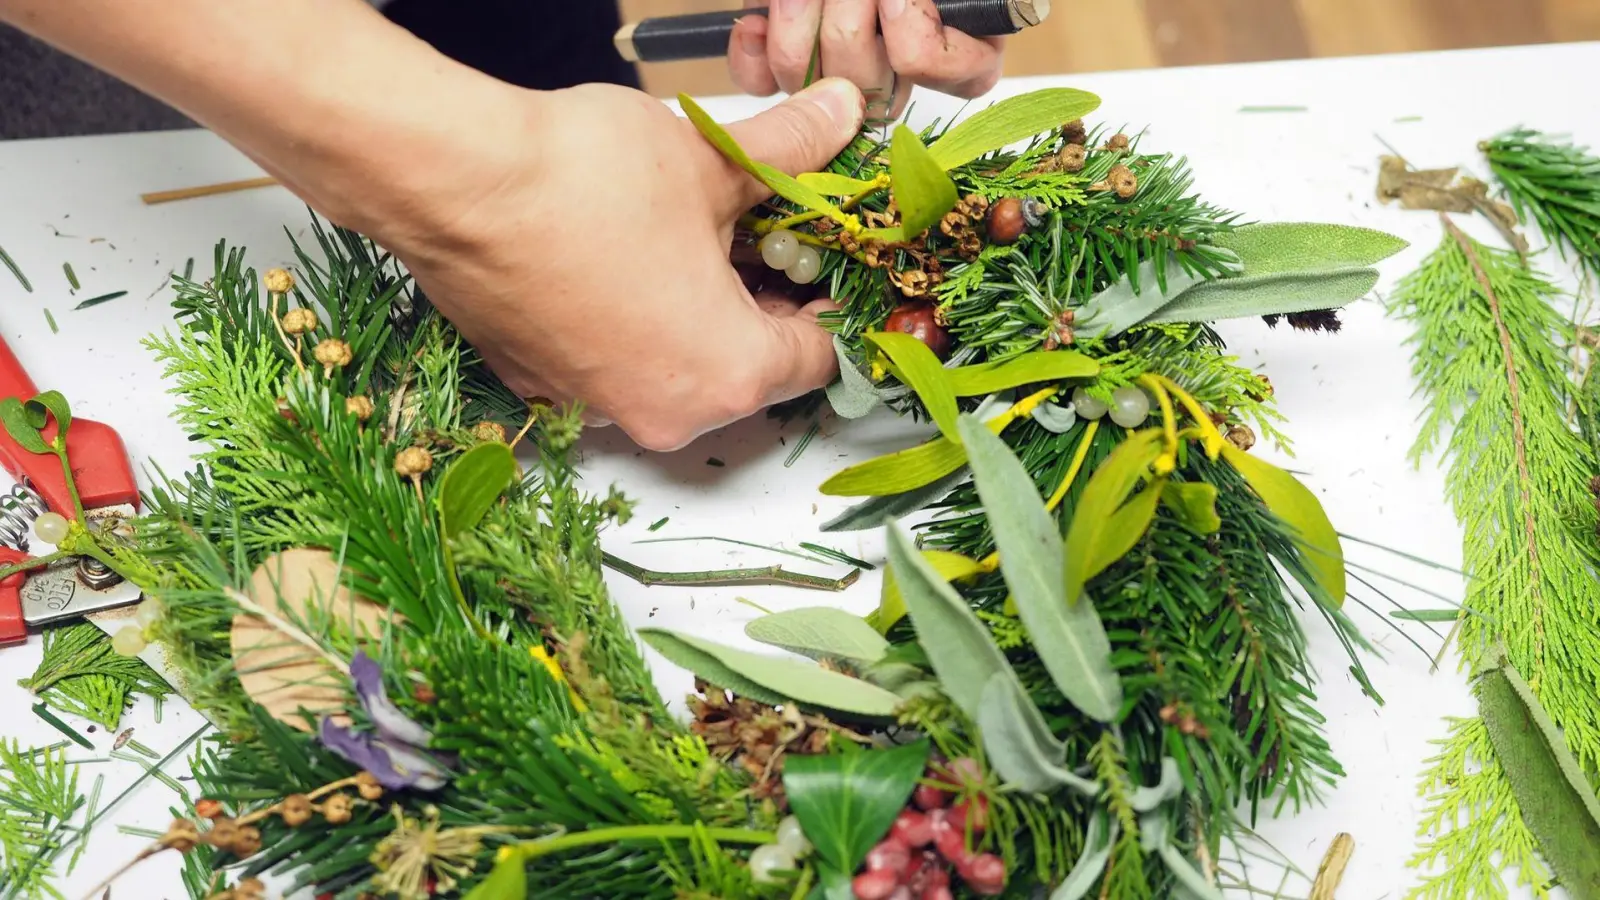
x,y
896,474
853,395
820,632
923,373
1020,745
472,485
1133,299
1097,844
921,189
846,802
1030,368
892,606
1008,121
790,679
835,185
707,666
56,405
507,881
1194,503
15,418
1294,503
1095,533
1071,640
878,511
784,185
1271,248
1264,295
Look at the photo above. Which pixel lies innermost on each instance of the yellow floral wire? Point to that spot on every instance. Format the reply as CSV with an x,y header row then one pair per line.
x,y
1168,460
1210,436
554,668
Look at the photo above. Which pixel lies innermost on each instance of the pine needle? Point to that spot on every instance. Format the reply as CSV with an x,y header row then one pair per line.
x,y
801,445
103,298
72,277
51,321
15,271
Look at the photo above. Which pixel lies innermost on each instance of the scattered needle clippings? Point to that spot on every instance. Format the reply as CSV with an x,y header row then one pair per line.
x,y
40,710
103,298
48,317
188,270
1271,109
1409,119
715,463
12,265
800,445
1331,872
833,554
656,525
72,277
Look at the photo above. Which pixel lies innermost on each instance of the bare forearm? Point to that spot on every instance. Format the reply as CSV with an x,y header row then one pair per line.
x,y
327,95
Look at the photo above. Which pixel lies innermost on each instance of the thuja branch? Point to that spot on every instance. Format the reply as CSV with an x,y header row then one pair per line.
x,y
730,577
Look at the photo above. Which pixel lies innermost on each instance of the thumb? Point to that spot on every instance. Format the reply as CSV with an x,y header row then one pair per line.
x,y
799,357
801,134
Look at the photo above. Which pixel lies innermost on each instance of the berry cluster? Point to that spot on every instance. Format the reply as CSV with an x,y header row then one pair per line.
x,y
930,837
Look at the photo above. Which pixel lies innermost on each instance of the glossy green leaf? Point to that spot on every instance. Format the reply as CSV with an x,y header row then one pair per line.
x,y
780,183
1270,248
1194,504
15,418
1170,787
1020,746
847,801
853,395
898,472
803,682
508,880
56,405
892,606
832,884
922,191
1252,296
1009,121
921,371
1085,875
1092,535
1070,638
1553,793
834,185
820,632
1039,366
878,511
1294,503
472,484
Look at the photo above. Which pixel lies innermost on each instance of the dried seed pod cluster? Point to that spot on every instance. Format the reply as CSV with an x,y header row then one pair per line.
x,y
930,838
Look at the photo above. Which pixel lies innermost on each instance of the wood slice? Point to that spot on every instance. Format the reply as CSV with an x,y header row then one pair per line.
x,y
281,674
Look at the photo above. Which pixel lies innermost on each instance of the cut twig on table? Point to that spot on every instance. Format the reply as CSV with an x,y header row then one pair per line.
x,y
730,577
207,190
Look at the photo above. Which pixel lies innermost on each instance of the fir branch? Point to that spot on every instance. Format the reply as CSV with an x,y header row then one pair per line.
x,y
1556,185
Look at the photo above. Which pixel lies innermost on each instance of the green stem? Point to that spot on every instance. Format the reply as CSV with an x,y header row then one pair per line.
x,y
66,471
730,577
527,850
35,562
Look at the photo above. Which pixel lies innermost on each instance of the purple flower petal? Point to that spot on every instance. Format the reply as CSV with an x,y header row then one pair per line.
x,y
391,722
395,767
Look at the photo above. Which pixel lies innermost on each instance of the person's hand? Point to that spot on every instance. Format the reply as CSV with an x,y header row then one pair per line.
x,y
767,54
581,241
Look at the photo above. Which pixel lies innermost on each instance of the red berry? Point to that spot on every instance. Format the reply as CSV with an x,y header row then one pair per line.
x,y
901,893
965,772
950,840
985,874
917,320
927,796
972,813
890,855
921,867
937,892
207,808
912,829
877,885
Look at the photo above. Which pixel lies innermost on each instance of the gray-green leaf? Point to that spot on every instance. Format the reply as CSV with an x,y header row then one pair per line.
x,y
853,394
1097,844
791,679
1145,799
876,511
1071,640
1019,744
707,666
1121,306
1187,875
1271,248
820,632
1261,295
1055,419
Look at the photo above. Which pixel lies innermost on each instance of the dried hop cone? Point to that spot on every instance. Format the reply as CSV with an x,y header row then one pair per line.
x,y
296,810
300,320
367,785
1074,132
360,407
337,809
248,843
489,433
332,353
182,835
412,461
223,833
249,889
1118,142
279,281
1123,181
1073,157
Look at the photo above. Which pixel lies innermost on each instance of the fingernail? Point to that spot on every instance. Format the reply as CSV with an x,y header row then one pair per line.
x,y
753,39
840,99
892,9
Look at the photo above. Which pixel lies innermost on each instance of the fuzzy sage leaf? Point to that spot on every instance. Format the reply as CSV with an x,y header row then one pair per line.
x,y
847,801
1029,368
1008,121
1271,248
922,372
1072,641
707,666
853,395
15,418
1146,799
1096,537
1123,305
1260,295
1097,843
922,191
878,511
1054,418
472,485
1294,503
1020,745
788,679
892,606
820,632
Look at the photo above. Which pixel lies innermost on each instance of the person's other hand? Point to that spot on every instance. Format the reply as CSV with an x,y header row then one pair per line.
x,y
767,54
581,244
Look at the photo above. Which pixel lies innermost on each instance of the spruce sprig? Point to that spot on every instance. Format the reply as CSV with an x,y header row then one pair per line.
x,y
1488,360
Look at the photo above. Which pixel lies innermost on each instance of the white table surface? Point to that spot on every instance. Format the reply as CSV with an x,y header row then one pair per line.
x,y
1347,397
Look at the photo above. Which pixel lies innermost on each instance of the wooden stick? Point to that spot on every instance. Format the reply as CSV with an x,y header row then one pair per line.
x,y
207,190
1331,872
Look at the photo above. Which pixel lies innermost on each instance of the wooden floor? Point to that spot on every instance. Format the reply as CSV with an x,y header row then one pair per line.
x,y
1100,35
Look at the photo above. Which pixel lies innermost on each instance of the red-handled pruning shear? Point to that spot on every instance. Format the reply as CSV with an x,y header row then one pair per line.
x,y
103,474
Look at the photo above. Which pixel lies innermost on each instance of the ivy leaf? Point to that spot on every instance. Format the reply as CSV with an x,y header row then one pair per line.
x,y
1008,121
1029,368
15,418
1097,843
835,185
1095,533
1271,248
1294,503
922,191
846,802
853,395
788,679
899,472
507,881
1020,745
472,485
892,607
878,511
1194,503
1263,295
1133,299
778,182
1071,640
820,632
923,373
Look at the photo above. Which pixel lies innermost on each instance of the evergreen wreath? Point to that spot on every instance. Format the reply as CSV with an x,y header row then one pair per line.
x,y
1089,660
